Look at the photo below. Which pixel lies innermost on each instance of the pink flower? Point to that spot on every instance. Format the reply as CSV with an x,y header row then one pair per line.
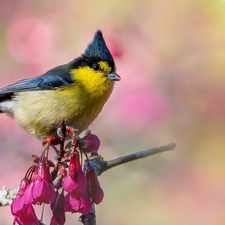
x,y
18,202
78,203
71,203
75,181
58,210
26,216
91,143
95,190
23,213
61,176
41,189
86,204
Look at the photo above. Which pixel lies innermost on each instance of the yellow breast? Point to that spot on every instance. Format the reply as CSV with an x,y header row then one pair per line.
x,y
40,112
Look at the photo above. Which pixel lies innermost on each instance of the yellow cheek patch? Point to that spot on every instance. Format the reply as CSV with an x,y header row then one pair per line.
x,y
105,67
90,81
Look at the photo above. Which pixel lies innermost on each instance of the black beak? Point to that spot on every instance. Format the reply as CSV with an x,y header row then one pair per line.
x,y
113,76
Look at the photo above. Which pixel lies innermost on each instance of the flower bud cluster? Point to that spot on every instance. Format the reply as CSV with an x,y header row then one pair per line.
x,y
75,190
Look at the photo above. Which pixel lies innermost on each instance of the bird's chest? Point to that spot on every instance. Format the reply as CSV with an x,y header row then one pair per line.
x,y
41,112
83,107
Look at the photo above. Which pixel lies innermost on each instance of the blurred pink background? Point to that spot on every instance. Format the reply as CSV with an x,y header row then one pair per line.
x,y
171,57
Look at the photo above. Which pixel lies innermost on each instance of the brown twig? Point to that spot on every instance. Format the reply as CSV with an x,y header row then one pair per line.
x,y
88,219
101,166
97,162
62,140
61,151
137,155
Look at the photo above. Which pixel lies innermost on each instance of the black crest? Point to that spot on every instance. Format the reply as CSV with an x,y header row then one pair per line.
x,y
98,51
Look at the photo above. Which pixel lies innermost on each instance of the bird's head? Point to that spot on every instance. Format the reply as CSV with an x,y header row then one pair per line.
x,y
96,64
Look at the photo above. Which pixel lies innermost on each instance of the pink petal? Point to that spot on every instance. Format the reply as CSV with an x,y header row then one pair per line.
x,y
26,216
52,194
75,203
81,181
66,203
68,184
92,143
28,197
17,205
71,204
97,194
86,204
38,188
55,222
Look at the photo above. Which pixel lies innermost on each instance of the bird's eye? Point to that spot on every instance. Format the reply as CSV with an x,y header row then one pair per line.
x,y
96,67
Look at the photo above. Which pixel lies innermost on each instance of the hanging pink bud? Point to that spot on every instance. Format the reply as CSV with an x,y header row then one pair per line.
x,y
72,203
91,143
18,202
75,181
23,213
86,203
41,189
62,171
58,217
61,176
26,216
95,190
36,159
71,130
78,203
51,140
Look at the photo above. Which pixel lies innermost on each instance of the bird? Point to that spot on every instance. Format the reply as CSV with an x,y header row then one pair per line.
x,y
75,92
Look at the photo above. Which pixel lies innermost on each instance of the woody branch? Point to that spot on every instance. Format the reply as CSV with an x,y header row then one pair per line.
x,y
100,166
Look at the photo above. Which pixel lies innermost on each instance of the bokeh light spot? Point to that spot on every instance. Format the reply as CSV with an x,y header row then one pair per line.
x,y
142,106
29,40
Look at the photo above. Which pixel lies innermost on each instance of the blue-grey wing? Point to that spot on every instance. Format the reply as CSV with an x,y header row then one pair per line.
x,y
51,80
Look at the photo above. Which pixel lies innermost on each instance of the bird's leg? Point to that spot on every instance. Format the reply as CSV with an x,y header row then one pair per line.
x,y
56,150
62,140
